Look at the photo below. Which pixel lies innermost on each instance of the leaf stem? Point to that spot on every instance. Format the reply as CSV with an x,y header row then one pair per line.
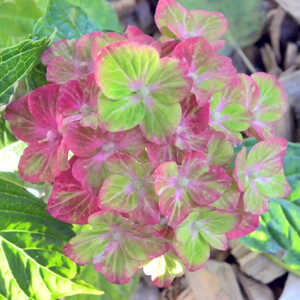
x,y
282,264
241,53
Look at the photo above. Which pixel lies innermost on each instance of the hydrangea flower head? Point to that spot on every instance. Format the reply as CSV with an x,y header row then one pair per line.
x,y
137,137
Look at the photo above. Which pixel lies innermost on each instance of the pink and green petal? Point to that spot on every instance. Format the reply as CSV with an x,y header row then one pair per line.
x,y
209,24
229,201
116,246
122,114
203,228
43,161
69,60
193,184
137,86
129,189
240,169
192,134
42,105
207,183
147,211
69,201
90,172
159,153
131,141
84,141
174,20
193,250
270,107
168,47
118,193
120,68
169,84
219,150
84,47
174,202
209,71
63,48
105,39
124,164
77,102
61,70
260,175
160,121
170,12
130,68
266,158
247,224
134,34
228,113
22,123
251,91
164,269
94,147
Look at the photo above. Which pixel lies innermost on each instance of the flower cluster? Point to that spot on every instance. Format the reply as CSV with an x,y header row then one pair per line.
x,y
137,136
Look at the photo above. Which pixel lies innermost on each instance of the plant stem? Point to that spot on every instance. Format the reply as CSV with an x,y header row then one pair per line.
x,y
241,53
282,264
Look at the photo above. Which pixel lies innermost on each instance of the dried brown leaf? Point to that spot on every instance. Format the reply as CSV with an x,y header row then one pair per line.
x,y
269,60
275,26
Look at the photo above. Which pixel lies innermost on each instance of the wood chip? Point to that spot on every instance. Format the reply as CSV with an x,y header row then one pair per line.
x,y
255,290
275,30
215,281
290,55
254,264
260,267
146,291
292,7
292,288
291,85
123,7
187,295
144,14
269,60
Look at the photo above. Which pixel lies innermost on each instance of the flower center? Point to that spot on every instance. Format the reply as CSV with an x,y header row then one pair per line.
x,y
52,135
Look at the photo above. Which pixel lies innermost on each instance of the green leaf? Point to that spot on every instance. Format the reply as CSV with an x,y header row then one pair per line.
x,y
18,60
111,291
246,19
101,14
69,21
74,18
40,189
37,77
32,264
6,137
17,19
10,156
279,230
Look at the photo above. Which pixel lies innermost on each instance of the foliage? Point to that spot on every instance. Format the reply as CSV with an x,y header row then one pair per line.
x,y
22,19
17,19
243,30
73,18
18,60
151,127
32,265
278,233
6,137
111,291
